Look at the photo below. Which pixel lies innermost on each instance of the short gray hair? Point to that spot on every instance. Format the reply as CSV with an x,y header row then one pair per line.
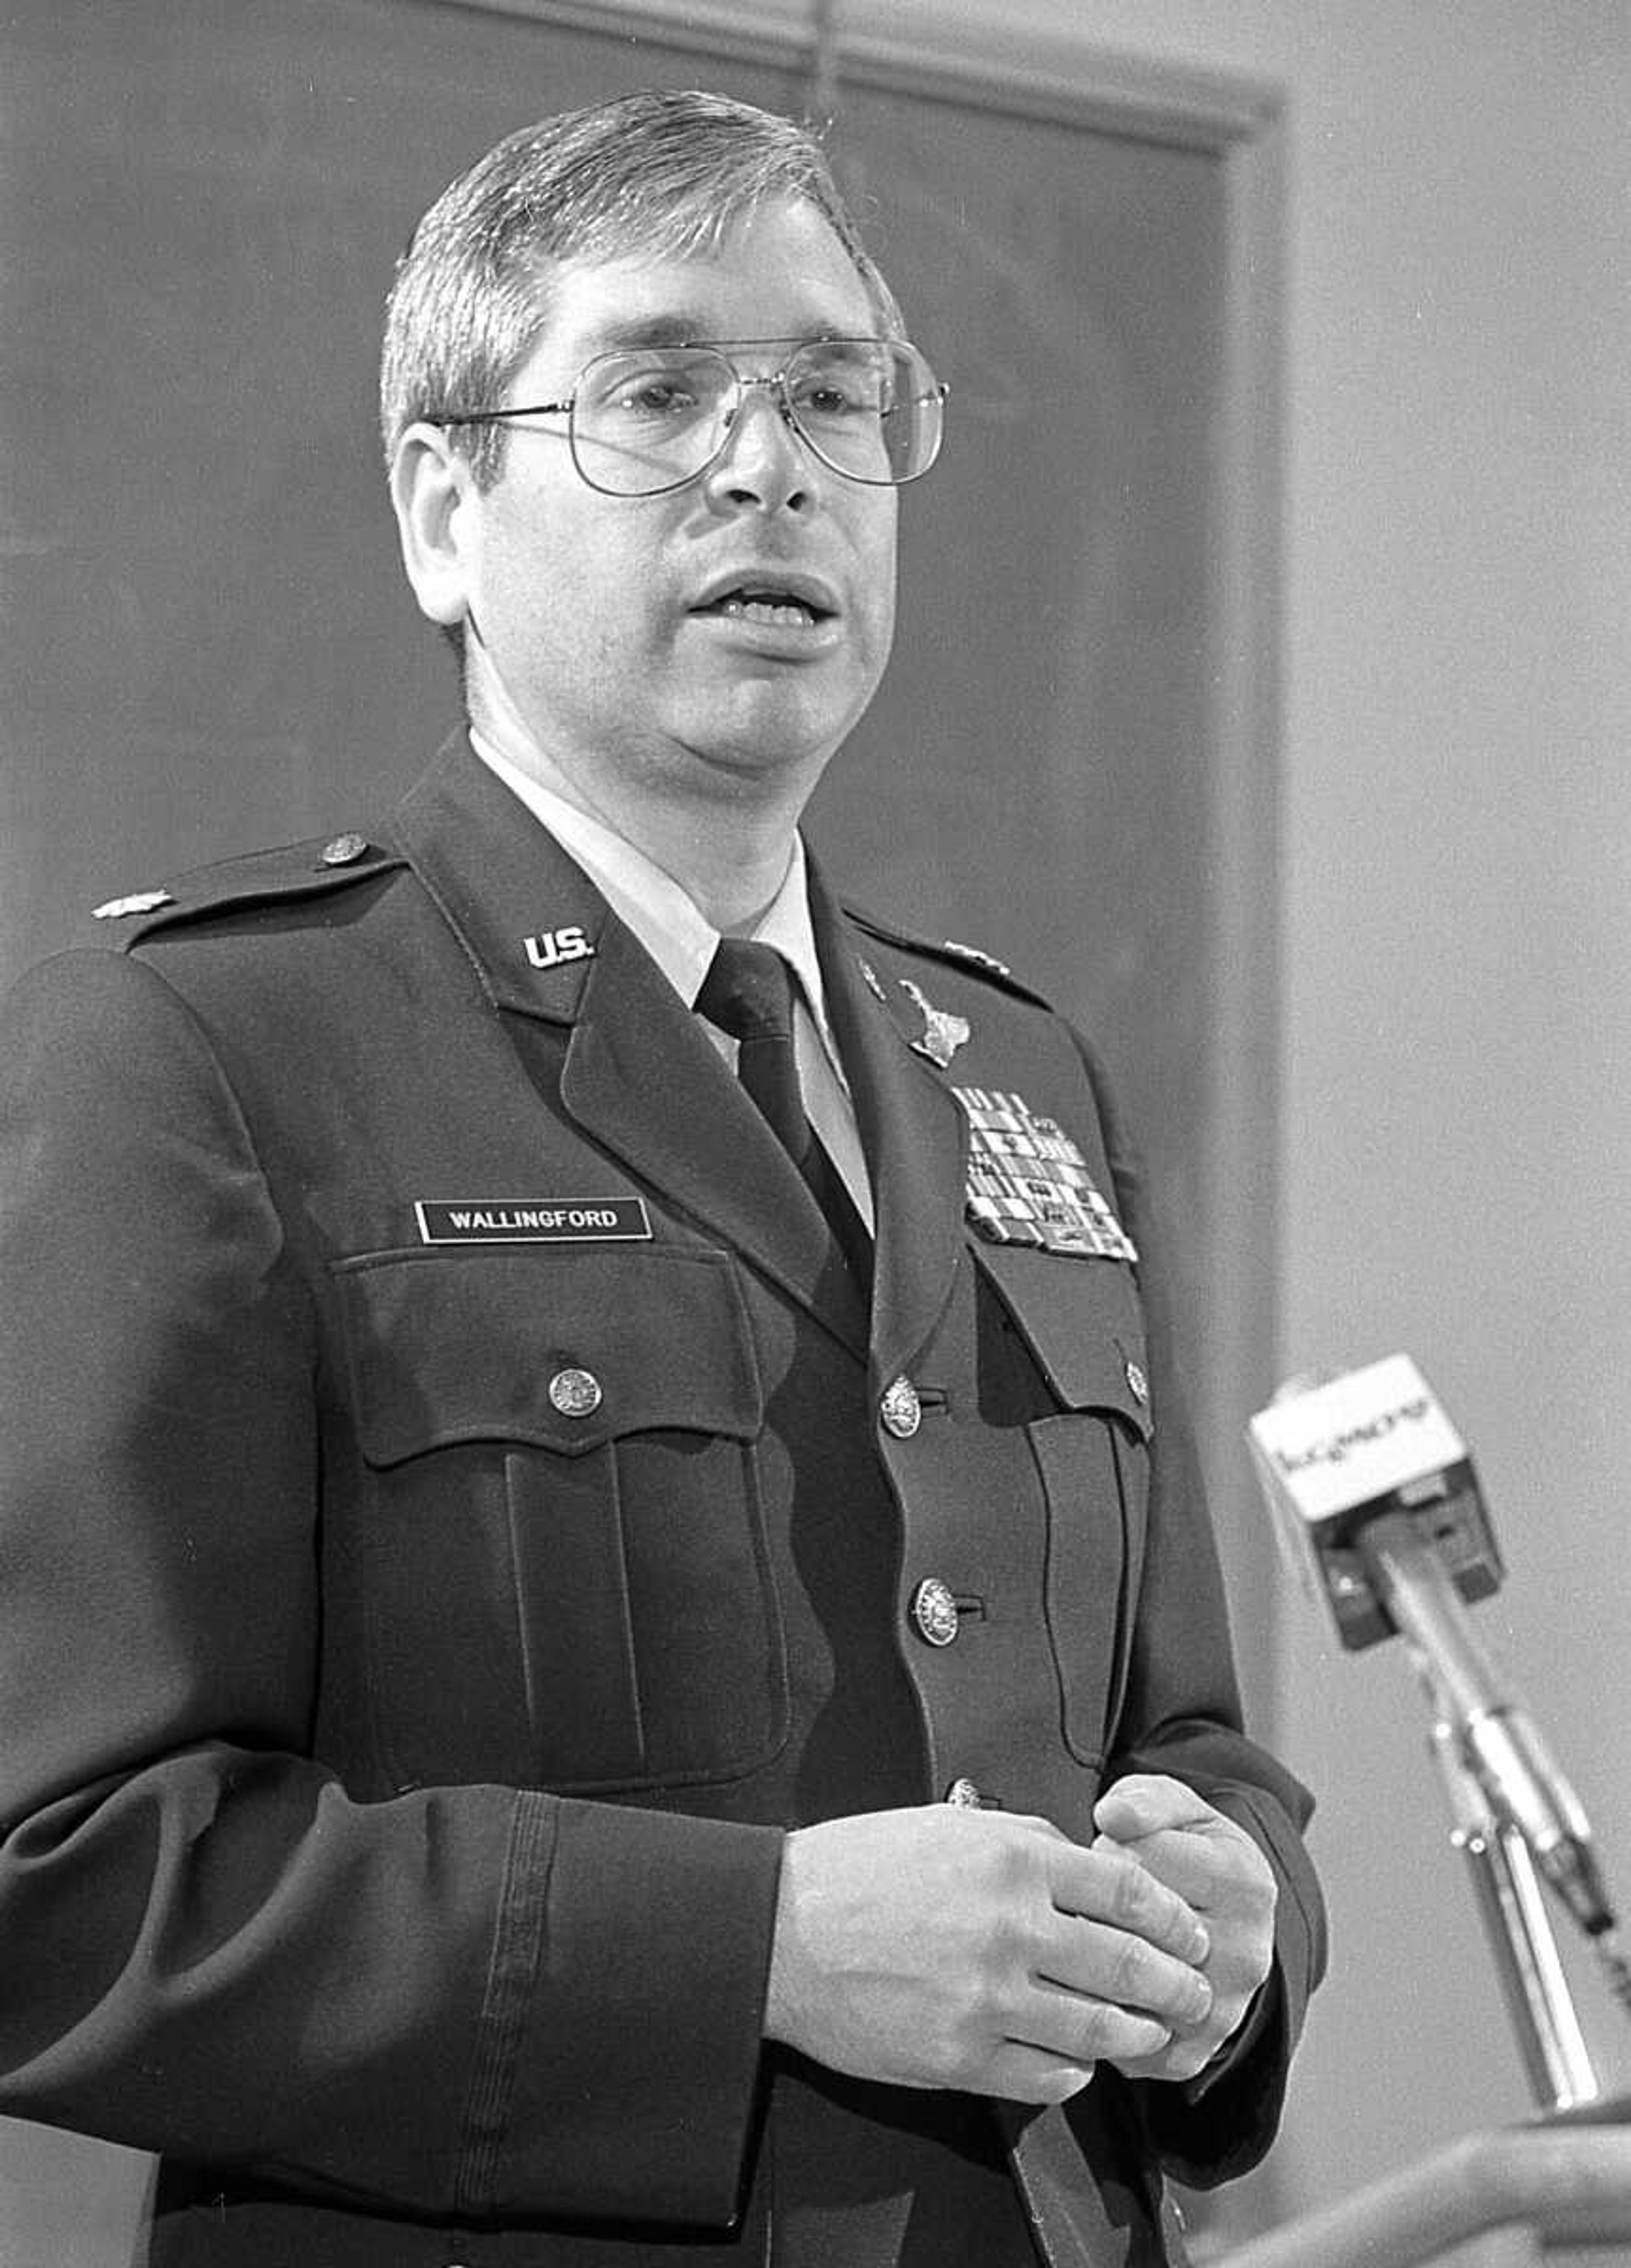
x,y
663,173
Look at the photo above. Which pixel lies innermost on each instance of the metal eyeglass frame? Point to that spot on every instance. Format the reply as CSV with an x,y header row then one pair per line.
x,y
937,391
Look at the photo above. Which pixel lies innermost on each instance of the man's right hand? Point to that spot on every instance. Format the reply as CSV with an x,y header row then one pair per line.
x,y
942,1948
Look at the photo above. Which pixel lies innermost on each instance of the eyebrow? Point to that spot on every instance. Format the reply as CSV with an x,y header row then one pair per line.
x,y
674,328
682,327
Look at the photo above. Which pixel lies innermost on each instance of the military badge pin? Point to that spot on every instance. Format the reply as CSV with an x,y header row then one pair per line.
x,y
872,981
942,1033
1028,1183
139,901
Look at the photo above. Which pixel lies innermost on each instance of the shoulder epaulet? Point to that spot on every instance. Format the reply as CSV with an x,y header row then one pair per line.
x,y
258,878
969,958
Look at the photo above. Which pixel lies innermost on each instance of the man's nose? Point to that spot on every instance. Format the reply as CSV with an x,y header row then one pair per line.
x,y
763,460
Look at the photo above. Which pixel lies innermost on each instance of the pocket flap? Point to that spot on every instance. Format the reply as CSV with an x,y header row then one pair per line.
x,y
1083,1322
565,1350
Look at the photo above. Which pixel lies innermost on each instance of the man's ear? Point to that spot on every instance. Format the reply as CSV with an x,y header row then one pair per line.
x,y
436,501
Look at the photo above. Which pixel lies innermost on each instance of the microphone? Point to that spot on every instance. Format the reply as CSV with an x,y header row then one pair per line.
x,y
1373,1491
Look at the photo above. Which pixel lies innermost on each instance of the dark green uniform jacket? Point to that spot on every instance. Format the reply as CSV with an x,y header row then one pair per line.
x,y
457,1513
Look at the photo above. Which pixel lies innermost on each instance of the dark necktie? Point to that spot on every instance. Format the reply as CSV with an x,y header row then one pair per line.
x,y
747,993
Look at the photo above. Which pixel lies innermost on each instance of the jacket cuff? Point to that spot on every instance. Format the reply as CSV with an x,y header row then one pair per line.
x,y
618,2061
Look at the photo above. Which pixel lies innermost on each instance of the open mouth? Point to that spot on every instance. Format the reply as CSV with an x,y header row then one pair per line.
x,y
766,603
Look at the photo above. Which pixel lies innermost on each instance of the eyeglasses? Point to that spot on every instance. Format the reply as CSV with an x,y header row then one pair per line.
x,y
643,420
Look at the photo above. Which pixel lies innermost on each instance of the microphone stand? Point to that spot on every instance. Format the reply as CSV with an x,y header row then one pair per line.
x,y
1517,1926
1513,1815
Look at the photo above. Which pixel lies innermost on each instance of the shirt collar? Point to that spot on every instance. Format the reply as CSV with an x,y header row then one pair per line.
x,y
660,911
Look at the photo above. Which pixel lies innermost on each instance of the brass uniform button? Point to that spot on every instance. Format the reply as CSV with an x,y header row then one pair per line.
x,y
963,1795
934,1611
1139,1383
900,1410
344,850
576,1393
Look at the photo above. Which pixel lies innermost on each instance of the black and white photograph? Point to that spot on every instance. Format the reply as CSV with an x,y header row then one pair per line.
x,y
814,1017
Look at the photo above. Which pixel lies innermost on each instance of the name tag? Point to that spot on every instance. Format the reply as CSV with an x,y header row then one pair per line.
x,y
531,1220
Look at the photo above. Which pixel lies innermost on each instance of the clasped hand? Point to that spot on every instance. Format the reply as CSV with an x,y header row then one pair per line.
x,y
939,1948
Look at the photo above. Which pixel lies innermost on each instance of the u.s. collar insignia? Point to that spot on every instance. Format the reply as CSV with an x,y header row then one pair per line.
x,y
551,946
942,1033
139,901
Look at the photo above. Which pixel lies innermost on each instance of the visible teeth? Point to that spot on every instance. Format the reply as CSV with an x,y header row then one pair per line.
x,y
768,610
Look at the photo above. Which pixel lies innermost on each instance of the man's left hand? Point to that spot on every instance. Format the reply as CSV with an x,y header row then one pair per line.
x,y
1219,1870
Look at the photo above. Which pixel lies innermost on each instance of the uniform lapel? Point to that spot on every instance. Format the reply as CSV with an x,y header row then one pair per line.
x,y
915,1137
641,1076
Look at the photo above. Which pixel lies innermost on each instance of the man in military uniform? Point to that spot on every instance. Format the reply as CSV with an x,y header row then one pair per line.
x,y
611,1651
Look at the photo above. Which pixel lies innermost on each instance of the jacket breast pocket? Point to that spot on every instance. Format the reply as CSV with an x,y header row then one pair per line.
x,y
1083,1324
568,1580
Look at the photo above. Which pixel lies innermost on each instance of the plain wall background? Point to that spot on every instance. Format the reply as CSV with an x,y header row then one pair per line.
x,y
1456,1076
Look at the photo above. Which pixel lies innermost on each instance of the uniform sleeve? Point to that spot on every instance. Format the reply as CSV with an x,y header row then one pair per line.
x,y
1182,1716
472,2000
